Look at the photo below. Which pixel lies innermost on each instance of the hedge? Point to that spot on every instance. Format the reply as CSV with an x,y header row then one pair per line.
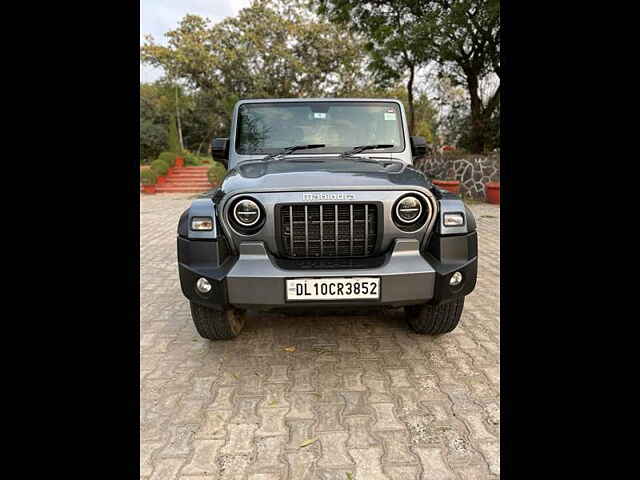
x,y
193,160
161,167
148,177
216,173
168,157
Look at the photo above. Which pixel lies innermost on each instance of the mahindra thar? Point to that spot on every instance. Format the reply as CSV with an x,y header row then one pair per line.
x,y
320,207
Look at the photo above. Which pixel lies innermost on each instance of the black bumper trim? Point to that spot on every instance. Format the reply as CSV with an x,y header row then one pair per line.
x,y
208,259
217,297
443,292
453,248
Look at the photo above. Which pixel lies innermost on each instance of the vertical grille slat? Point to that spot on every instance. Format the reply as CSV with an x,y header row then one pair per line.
x,y
291,226
328,230
321,237
366,228
335,228
306,231
351,230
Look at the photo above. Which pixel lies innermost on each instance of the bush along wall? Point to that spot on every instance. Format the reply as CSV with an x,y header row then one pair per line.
x,y
473,171
216,173
148,177
160,167
168,157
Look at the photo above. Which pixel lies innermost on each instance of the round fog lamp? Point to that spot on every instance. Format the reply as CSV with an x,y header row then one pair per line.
x,y
455,279
203,285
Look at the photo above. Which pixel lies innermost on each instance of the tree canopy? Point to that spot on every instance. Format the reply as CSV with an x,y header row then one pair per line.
x,y
394,39
462,36
267,50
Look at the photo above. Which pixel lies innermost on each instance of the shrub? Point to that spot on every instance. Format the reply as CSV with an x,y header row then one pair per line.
x,y
148,177
160,167
216,173
168,157
192,159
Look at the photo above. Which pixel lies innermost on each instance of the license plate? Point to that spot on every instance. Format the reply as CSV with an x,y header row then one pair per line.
x,y
333,288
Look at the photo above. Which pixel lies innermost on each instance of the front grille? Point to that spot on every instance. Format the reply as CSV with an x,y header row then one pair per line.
x,y
328,230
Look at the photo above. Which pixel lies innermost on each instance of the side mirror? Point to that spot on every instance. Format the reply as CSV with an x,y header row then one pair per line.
x,y
418,146
220,150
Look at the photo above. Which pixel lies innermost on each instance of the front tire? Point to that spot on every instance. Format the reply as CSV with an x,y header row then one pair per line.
x,y
435,319
217,324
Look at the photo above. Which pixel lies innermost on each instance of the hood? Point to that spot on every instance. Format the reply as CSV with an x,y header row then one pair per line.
x,y
321,173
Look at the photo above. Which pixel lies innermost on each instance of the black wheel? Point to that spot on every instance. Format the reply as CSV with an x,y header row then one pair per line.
x,y
435,319
216,324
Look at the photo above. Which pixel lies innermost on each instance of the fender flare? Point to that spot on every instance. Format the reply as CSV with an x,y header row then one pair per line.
x,y
201,207
454,205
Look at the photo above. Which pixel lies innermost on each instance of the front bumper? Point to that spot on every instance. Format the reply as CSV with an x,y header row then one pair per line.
x,y
254,280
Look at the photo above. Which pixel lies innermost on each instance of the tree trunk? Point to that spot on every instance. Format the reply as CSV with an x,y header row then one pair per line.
x,y
477,114
205,139
178,117
410,100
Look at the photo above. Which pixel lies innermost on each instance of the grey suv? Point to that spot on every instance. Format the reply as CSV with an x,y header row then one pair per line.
x,y
321,207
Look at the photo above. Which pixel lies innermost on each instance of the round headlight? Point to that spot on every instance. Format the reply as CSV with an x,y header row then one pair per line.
x,y
246,212
408,209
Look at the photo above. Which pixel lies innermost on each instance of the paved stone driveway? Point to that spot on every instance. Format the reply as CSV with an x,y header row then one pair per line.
x,y
382,402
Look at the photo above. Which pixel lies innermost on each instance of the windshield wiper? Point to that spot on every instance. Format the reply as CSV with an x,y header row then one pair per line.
x,y
362,148
288,150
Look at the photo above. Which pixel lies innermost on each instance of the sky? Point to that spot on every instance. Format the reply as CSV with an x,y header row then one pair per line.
x,y
160,16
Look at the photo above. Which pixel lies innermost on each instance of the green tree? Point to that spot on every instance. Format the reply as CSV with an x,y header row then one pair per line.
x,y
153,140
199,122
271,49
153,131
394,41
463,133
463,36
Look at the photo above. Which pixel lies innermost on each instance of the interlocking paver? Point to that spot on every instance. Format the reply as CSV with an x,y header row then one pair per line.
x,y
202,461
382,402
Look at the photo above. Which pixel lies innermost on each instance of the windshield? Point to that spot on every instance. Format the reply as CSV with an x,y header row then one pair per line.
x,y
265,128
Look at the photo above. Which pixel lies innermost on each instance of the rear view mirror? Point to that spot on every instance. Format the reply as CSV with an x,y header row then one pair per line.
x,y
220,150
418,146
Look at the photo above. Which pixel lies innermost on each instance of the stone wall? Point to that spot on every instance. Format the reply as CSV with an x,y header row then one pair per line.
x,y
473,171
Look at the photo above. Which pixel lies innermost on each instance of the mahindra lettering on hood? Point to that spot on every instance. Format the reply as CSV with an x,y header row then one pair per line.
x,y
327,196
